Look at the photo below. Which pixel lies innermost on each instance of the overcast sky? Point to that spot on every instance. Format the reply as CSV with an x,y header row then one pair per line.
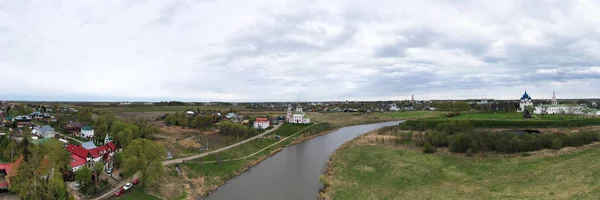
x,y
297,50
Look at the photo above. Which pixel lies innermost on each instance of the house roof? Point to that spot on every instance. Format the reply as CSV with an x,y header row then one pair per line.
x,y
11,168
299,113
74,124
261,120
305,117
40,141
77,161
87,128
88,145
230,115
78,151
43,129
111,146
23,117
299,106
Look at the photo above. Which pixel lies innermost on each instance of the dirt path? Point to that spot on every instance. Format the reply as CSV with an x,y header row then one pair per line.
x,y
180,160
253,154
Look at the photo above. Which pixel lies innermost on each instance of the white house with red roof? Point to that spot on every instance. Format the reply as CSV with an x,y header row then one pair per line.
x,y
261,123
90,156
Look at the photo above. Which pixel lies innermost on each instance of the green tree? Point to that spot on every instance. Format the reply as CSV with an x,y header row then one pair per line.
x,y
145,156
124,137
56,187
100,132
145,128
84,176
58,156
118,159
98,168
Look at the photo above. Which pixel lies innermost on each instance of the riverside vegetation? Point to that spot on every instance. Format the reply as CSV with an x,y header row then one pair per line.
x,y
458,159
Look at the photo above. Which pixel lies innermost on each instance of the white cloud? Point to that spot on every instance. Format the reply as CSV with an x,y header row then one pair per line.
x,y
294,50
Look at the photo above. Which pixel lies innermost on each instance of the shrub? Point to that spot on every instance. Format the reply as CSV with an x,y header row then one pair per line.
x,y
459,143
556,143
469,153
453,114
323,180
525,154
427,148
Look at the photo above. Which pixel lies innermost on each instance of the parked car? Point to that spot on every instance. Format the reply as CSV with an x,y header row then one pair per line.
x,y
77,185
135,181
127,186
109,171
119,192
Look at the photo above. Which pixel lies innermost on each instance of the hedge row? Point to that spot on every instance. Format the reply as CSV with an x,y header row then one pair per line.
x,y
430,124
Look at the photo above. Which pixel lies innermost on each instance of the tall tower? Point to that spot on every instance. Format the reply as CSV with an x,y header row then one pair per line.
x,y
412,98
554,98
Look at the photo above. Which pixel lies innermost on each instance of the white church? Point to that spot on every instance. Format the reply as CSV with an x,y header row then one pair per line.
x,y
298,116
555,107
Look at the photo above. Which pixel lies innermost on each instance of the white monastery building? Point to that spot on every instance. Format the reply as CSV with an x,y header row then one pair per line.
x,y
555,107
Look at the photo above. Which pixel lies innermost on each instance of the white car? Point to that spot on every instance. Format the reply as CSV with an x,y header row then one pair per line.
x,y
127,186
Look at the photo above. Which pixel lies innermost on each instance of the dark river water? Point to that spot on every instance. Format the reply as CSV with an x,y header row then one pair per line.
x,y
294,172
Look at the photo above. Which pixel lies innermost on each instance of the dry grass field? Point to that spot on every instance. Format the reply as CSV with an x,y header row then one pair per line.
x,y
362,170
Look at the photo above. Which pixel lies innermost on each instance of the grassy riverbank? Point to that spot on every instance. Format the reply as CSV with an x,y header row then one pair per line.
x,y
361,170
202,176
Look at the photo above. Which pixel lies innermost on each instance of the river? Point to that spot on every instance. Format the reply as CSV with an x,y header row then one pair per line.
x,y
294,172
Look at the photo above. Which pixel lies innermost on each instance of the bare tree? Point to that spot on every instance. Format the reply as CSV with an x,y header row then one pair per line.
x,y
543,111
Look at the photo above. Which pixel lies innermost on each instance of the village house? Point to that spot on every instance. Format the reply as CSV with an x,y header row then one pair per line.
x,y
22,121
87,132
261,123
232,117
74,127
103,153
7,171
44,131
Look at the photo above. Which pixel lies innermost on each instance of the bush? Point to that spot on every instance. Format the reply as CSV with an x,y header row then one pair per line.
x,y
469,153
525,154
323,180
556,144
453,114
427,148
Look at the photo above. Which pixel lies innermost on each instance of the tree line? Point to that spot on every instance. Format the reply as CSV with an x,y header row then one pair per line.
x,y
460,137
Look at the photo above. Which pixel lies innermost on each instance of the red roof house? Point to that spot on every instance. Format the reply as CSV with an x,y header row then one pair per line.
x,y
10,170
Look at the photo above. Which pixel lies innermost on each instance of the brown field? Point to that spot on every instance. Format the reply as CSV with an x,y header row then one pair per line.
x,y
343,119
184,141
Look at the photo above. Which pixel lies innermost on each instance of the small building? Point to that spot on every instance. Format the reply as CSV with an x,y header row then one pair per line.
x,y
22,120
44,131
8,171
232,117
74,127
87,132
190,113
261,123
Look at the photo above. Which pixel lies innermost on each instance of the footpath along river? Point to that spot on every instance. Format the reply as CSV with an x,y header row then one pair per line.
x,y
293,173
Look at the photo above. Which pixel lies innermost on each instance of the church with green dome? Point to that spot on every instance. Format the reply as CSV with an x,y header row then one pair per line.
x,y
298,116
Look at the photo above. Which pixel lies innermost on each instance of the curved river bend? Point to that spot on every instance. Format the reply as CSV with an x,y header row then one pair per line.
x,y
294,172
